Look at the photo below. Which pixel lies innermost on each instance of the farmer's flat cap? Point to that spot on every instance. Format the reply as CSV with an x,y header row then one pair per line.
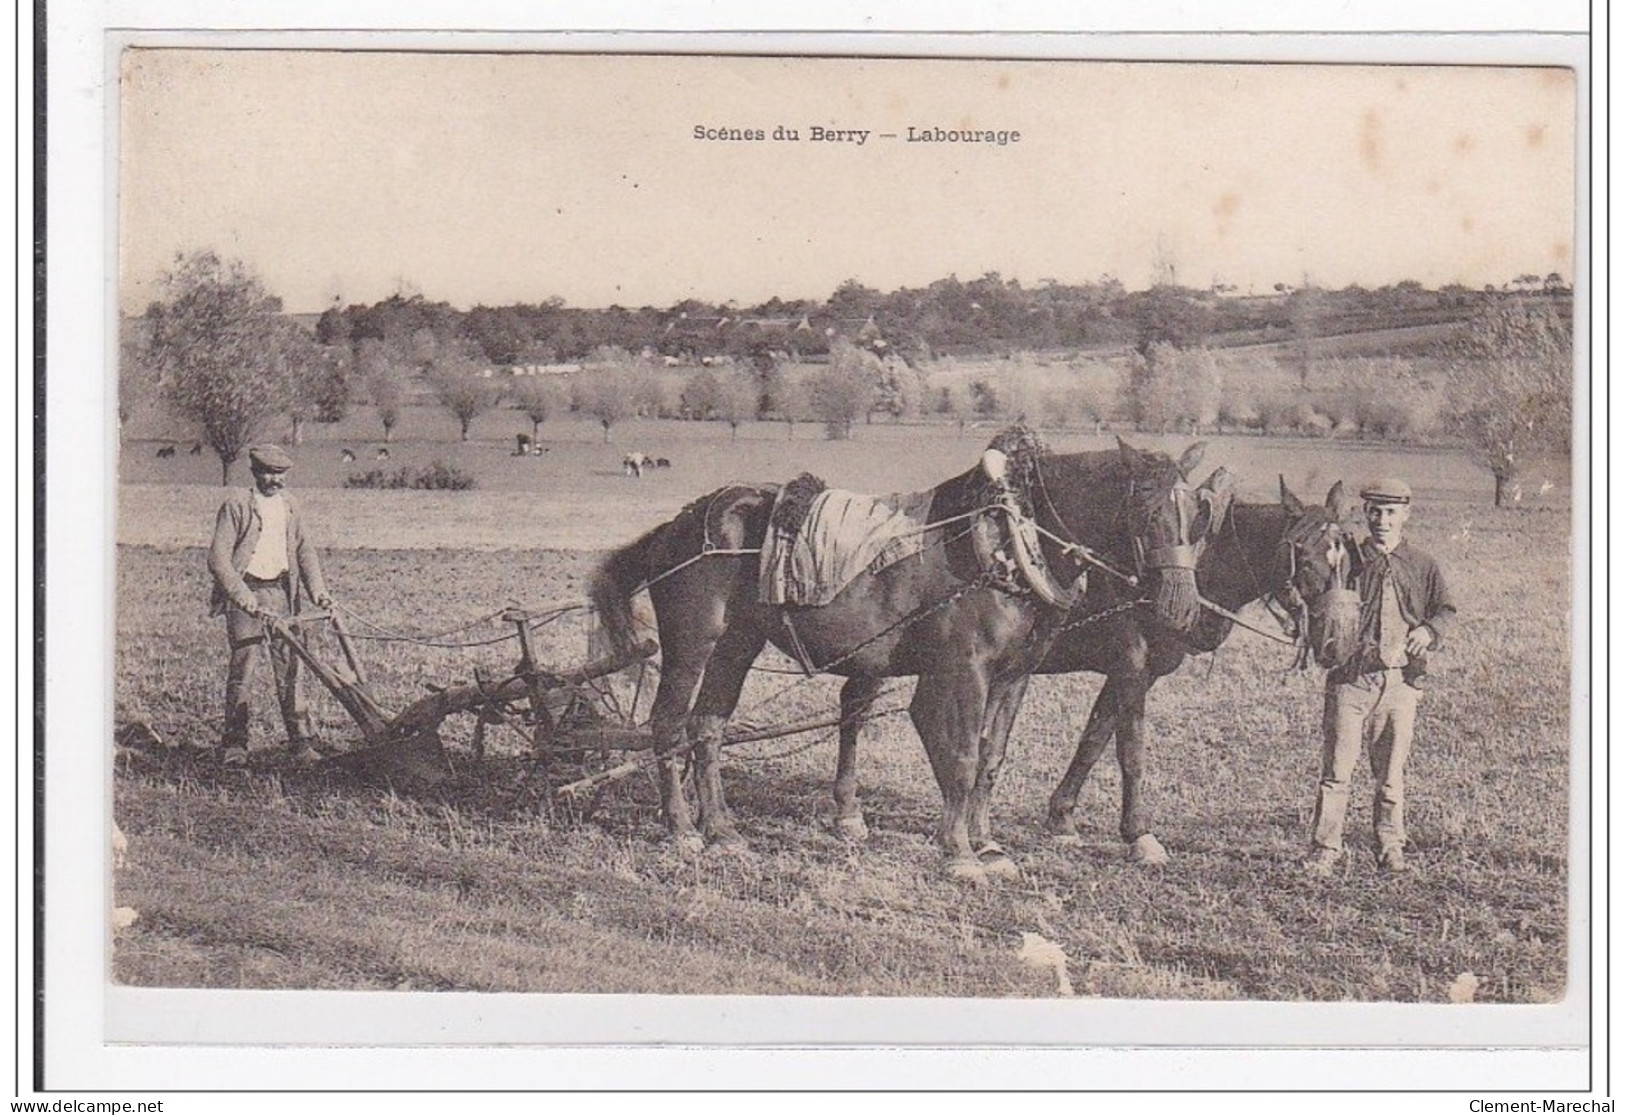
x,y
269,458
1386,490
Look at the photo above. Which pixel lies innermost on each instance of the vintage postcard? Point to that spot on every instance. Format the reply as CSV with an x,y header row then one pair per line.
x,y
1087,544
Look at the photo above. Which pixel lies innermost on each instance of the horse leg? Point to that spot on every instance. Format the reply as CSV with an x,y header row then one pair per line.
x,y
1004,702
1061,820
1144,847
725,676
947,711
678,681
685,653
857,696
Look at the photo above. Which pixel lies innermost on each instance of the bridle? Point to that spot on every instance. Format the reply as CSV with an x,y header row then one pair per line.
x,y
1179,555
1295,610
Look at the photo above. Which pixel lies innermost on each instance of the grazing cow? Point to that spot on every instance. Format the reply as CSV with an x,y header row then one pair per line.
x,y
166,451
383,453
633,464
661,462
346,455
522,448
197,449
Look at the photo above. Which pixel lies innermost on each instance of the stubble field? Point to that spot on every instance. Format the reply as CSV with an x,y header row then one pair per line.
x,y
285,879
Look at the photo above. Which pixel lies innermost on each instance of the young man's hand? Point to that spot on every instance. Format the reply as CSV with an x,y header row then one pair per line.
x,y
1419,639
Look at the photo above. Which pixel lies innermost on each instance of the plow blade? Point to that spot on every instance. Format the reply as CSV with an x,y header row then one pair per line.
x,y
416,761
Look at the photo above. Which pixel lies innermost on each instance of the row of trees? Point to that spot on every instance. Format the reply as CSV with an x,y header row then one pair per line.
x,y
226,359
990,313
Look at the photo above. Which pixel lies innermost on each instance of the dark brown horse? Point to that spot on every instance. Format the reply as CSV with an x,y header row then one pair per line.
x,y
1296,558
942,615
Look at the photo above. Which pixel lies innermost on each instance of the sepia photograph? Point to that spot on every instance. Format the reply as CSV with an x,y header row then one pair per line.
x,y
1053,531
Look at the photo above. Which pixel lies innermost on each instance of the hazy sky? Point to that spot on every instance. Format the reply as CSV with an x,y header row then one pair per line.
x,y
485,178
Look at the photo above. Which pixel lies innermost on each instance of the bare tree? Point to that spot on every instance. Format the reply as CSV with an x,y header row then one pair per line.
x,y
461,387
793,399
383,370
537,398
844,389
1510,391
318,390
220,346
701,396
736,398
606,386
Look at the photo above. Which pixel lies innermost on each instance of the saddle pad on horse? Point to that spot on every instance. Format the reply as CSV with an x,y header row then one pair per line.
x,y
844,535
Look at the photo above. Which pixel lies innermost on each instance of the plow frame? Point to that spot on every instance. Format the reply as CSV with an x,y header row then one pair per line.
x,y
407,747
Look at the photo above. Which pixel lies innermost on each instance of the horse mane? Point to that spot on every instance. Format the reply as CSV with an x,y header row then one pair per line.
x,y
1238,564
795,501
1090,487
1022,447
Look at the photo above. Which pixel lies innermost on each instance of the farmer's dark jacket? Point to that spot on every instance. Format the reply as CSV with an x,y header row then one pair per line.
x,y
1424,598
236,533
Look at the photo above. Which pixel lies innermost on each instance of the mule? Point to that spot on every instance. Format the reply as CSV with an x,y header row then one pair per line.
x,y
1298,559
942,615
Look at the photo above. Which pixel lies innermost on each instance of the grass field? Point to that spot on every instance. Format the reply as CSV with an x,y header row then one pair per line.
x,y
289,880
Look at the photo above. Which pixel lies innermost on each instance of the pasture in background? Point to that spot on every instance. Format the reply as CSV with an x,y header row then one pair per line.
x,y
578,497
296,881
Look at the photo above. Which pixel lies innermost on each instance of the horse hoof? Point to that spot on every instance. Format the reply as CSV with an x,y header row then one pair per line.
x,y
1148,850
968,871
851,828
999,866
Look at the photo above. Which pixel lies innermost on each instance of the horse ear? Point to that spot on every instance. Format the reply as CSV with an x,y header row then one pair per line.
x,y
1335,500
1192,457
1215,495
1221,482
1129,453
1294,506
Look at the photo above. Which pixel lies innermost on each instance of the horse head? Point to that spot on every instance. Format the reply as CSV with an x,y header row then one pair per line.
x,y
1170,523
1317,569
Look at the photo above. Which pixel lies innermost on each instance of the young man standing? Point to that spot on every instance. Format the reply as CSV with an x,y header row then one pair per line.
x,y
1405,611
259,560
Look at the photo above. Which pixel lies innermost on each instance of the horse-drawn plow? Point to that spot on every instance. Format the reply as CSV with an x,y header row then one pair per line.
x,y
560,712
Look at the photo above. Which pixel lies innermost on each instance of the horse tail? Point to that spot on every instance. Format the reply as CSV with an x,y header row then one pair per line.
x,y
617,580
729,520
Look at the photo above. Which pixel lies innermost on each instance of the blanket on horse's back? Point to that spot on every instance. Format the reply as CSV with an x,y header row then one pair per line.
x,y
842,536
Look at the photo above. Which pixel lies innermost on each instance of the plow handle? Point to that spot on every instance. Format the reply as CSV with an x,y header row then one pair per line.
x,y
342,632
356,700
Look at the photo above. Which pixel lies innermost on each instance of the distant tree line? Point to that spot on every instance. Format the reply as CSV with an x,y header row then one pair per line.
x,y
220,352
990,314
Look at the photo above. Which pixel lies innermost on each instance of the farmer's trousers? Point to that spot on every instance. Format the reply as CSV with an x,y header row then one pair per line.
x,y
1377,710
247,637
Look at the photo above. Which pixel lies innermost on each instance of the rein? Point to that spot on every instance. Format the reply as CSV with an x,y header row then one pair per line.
x,y
1274,636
